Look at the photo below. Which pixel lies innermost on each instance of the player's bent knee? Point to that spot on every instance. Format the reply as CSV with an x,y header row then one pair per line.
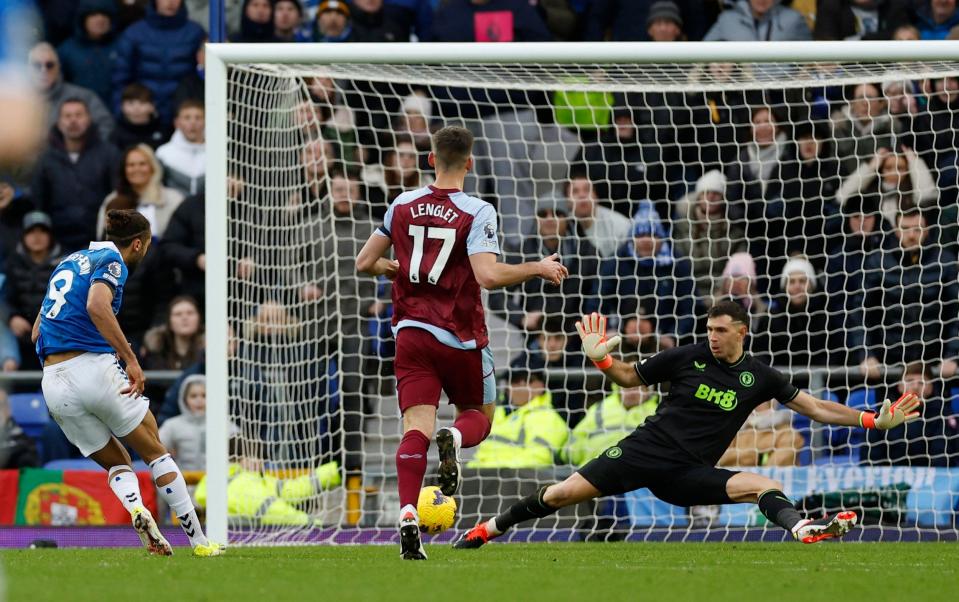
x,y
573,490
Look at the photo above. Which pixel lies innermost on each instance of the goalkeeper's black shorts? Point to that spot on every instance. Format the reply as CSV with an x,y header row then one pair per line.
x,y
627,466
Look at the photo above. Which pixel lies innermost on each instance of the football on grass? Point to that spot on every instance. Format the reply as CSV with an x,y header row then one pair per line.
x,y
437,511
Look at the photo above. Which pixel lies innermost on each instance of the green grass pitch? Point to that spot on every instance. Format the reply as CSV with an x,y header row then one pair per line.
x,y
498,573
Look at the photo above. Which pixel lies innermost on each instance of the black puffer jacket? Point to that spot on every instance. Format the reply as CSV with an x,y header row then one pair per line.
x,y
27,281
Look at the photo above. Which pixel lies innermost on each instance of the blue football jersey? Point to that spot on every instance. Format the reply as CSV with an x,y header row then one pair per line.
x,y
65,324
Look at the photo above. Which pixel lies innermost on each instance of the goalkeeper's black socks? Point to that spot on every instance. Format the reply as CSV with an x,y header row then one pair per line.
x,y
776,507
528,508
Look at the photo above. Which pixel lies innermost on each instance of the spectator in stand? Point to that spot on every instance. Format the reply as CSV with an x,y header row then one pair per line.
x,y
705,122
14,204
604,228
420,13
256,24
376,21
797,332
48,80
903,104
184,157
532,435
59,18
325,115
73,175
758,21
184,435
625,168
551,351
845,292
862,127
636,20
400,172
766,439
812,215
489,21
913,287
17,450
906,33
288,21
860,19
756,187
158,52
184,246
936,18
332,22
87,57
664,23
646,277
414,121
738,283
933,440
178,342
609,421
139,122
704,232
939,147
139,186
192,86
892,181
28,274
578,293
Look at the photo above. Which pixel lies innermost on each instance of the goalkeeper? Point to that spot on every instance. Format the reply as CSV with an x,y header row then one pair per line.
x,y
714,386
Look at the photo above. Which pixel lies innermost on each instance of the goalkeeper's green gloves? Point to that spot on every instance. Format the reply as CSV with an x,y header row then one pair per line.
x,y
890,415
592,331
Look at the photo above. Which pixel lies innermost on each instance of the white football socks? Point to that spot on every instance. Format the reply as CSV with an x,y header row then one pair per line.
x,y
491,528
409,508
177,497
123,482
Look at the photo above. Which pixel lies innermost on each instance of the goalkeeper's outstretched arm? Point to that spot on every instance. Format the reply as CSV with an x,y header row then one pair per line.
x,y
890,415
592,331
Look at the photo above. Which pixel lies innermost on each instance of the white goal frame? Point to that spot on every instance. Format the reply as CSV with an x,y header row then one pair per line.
x,y
219,56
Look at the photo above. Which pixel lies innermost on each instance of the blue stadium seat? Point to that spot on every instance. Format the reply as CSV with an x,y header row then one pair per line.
x,y
29,411
86,464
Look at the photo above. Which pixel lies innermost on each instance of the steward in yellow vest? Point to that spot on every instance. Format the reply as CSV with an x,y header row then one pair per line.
x,y
531,436
609,421
260,496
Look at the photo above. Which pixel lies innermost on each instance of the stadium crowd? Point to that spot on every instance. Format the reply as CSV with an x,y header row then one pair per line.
x,y
831,213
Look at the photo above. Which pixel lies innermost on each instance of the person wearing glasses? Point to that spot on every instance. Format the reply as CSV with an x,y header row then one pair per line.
x,y
48,81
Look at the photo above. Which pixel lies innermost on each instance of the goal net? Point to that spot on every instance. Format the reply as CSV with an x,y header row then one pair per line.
x,y
821,195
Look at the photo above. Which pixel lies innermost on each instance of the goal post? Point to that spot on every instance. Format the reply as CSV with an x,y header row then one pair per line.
x,y
257,87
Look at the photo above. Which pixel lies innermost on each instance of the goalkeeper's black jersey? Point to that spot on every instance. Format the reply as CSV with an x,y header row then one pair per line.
x,y
708,401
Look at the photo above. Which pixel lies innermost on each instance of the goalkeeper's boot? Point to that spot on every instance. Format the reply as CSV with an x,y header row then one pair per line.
x,y
411,547
474,538
208,549
149,533
811,531
450,475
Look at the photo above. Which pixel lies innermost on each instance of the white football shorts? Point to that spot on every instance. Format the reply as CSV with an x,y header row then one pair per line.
x,y
83,396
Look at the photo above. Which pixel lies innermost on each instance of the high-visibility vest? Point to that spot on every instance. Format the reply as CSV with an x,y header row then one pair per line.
x,y
269,500
531,436
604,425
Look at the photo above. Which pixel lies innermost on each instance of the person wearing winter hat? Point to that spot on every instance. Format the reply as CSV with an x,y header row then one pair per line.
x,y
665,22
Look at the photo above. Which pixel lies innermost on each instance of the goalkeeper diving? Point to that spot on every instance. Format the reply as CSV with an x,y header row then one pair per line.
x,y
714,386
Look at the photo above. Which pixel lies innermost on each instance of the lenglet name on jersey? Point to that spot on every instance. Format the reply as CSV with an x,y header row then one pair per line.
x,y
433,210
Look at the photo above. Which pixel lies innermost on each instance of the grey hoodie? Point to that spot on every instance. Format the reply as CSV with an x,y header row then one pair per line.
x,y
737,24
185,435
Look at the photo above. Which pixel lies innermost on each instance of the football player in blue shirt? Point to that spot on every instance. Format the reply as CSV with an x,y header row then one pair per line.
x,y
93,399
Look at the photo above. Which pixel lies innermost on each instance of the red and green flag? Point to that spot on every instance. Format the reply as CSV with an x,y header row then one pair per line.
x,y
8,495
73,497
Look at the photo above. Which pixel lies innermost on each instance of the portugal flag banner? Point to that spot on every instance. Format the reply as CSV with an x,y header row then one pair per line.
x,y
74,497
8,495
